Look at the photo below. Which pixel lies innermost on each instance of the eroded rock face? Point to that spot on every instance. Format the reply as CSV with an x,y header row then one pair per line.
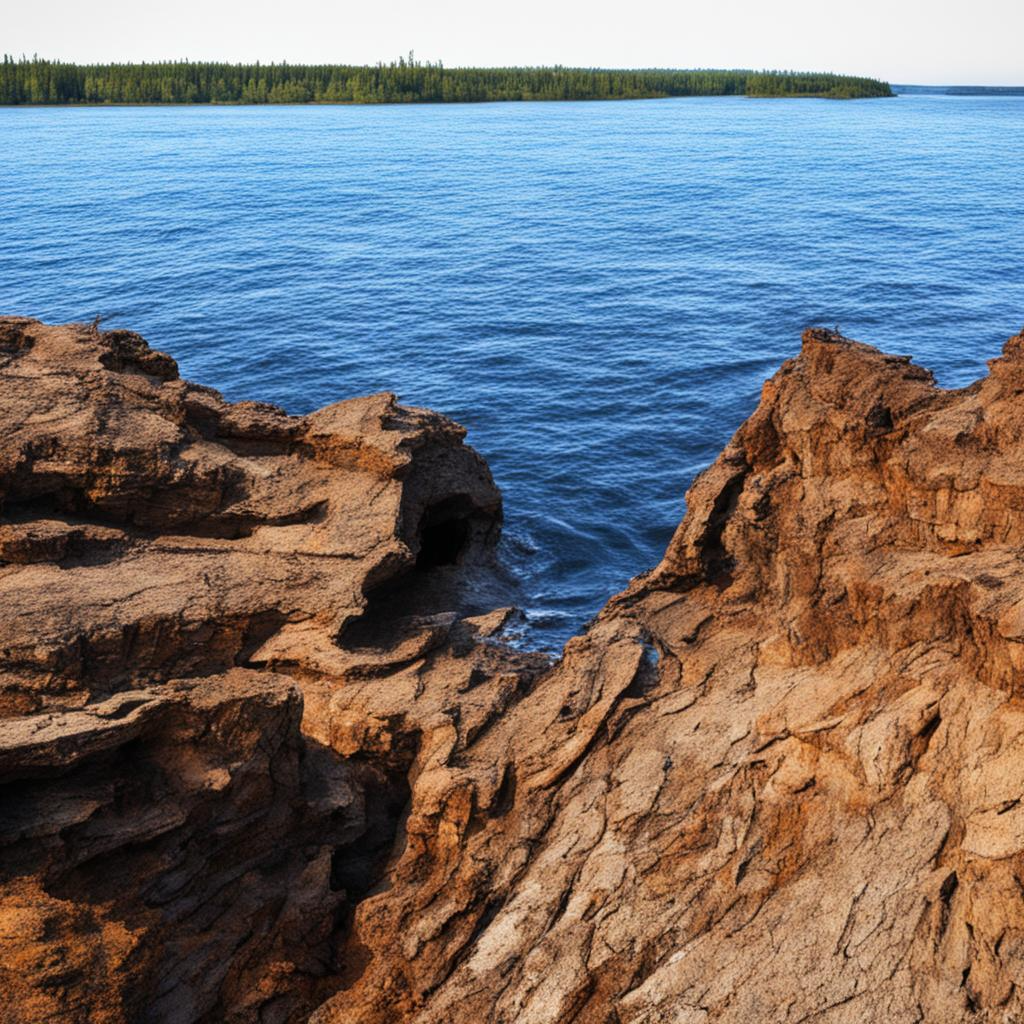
x,y
189,813
264,758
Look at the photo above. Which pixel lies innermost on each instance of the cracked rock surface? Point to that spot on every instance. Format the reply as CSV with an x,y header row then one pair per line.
x,y
265,757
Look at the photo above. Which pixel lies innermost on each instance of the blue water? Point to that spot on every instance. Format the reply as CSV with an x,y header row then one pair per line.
x,y
597,290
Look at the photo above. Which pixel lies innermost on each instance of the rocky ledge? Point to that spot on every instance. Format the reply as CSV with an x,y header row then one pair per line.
x,y
265,757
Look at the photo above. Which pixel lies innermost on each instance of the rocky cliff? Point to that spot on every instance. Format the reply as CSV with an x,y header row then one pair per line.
x,y
265,757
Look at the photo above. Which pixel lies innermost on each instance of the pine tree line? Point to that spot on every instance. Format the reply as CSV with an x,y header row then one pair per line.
x,y
28,81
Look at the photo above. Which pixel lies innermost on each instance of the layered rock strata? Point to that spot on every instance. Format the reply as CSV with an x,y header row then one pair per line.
x,y
265,758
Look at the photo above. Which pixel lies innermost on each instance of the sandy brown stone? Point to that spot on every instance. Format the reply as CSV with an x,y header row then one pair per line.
x,y
264,756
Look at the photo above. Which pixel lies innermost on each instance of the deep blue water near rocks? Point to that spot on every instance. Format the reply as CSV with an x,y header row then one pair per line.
x,y
597,290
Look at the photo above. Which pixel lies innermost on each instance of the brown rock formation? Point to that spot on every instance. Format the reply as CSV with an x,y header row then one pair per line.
x,y
264,760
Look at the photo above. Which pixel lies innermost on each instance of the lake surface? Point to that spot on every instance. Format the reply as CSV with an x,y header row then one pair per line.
x,y
596,290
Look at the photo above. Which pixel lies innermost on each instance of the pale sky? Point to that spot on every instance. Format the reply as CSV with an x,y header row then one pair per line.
x,y
908,41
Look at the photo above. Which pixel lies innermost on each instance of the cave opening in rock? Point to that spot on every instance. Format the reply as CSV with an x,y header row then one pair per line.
x,y
444,533
454,571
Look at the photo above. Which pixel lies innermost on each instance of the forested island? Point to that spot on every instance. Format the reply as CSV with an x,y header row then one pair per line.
x,y
37,81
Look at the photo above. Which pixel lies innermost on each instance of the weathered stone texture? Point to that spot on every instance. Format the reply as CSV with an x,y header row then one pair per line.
x,y
264,756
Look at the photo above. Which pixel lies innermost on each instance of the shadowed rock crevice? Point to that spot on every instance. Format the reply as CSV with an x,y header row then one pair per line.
x,y
359,864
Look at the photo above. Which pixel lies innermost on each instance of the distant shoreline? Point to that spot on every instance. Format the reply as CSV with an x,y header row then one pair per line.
x,y
121,105
959,90
38,82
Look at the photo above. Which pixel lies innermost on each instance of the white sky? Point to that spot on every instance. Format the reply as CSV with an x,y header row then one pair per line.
x,y
911,41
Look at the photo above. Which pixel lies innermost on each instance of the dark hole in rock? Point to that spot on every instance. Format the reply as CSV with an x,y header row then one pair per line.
x,y
505,797
455,571
879,418
442,543
444,533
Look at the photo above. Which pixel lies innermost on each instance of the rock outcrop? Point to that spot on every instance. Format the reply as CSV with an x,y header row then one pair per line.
x,y
265,757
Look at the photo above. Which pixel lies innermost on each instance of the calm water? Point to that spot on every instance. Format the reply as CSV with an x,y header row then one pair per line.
x,y
596,290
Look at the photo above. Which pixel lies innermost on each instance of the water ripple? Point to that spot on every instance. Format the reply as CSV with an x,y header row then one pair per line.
x,y
597,290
